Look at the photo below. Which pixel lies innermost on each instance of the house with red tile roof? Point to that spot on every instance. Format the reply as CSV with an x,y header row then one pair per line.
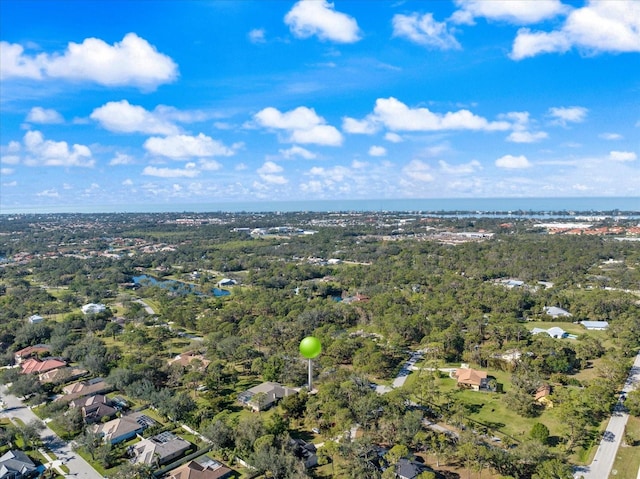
x,y
185,359
30,351
201,468
35,366
470,378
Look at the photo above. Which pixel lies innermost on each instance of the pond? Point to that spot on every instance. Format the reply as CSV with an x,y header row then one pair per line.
x,y
174,286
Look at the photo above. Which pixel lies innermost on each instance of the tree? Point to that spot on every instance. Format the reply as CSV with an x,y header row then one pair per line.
x,y
133,471
70,421
540,433
440,446
8,434
327,454
105,455
25,385
30,433
632,402
219,433
553,469
90,442
295,405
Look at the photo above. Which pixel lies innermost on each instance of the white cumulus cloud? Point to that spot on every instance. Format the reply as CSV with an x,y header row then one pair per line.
x,y
319,17
527,136
257,35
180,147
210,165
424,30
122,117
295,151
303,124
610,136
622,156
269,173
571,114
393,137
51,193
522,126
511,162
121,159
418,170
397,116
189,171
41,152
463,169
44,116
598,27
519,12
131,62
364,127
377,151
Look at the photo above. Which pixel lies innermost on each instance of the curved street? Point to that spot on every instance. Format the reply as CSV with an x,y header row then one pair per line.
x,y
600,467
78,467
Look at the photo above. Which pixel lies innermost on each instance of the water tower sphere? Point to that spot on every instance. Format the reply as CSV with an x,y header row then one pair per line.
x,y
310,347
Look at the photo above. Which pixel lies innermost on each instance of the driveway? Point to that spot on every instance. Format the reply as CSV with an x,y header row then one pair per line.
x,y
602,463
78,467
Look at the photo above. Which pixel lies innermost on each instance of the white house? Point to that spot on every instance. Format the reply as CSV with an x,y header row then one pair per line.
x,y
35,319
93,308
554,332
556,312
595,325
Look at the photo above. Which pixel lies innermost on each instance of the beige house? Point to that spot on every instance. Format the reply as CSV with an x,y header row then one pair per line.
x,y
542,396
160,449
185,359
201,468
470,378
264,395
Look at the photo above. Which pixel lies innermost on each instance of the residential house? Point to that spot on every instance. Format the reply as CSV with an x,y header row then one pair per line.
x,y
30,351
510,356
201,468
35,366
61,375
542,396
264,395
406,469
160,449
185,359
94,408
224,282
84,388
305,451
17,465
554,332
123,428
595,325
93,308
35,319
470,378
556,312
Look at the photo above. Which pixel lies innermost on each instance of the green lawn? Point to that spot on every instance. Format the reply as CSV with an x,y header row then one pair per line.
x,y
627,464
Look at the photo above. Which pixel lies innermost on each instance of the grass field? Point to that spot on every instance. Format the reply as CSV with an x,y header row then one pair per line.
x,y
627,464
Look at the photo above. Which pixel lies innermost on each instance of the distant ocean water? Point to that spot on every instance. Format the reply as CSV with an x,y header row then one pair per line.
x,y
438,205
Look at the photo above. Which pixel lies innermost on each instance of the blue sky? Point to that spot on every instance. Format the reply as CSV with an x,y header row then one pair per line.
x,y
124,102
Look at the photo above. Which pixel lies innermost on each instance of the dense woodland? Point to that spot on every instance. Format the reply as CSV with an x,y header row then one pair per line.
x,y
414,292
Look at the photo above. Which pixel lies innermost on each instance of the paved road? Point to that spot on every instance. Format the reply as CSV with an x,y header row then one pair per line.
x,y
402,376
78,467
146,307
602,463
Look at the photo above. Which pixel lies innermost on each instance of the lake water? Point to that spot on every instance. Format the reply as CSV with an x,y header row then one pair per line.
x,y
174,286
